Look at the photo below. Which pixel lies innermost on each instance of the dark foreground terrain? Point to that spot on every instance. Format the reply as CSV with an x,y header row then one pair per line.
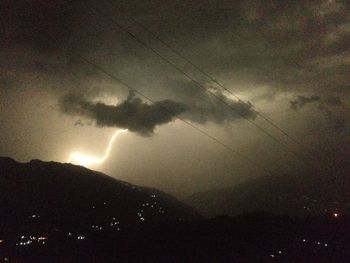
x,y
53,212
251,238
299,195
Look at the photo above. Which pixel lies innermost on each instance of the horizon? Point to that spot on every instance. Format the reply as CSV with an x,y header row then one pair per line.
x,y
231,107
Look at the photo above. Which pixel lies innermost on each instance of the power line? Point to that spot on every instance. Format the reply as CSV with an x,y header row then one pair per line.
x,y
201,131
133,36
216,140
199,69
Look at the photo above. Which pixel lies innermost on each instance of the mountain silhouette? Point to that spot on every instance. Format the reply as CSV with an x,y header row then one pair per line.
x,y
53,212
279,194
51,194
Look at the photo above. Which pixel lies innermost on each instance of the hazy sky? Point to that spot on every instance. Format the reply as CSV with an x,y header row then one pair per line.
x,y
288,60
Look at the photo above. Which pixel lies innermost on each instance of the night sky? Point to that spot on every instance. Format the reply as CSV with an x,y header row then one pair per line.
x,y
287,61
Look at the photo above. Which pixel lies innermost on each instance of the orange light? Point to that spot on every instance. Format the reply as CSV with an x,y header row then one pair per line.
x,y
87,160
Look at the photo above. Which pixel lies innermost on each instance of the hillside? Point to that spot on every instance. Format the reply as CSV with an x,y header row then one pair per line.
x,y
278,194
53,212
50,195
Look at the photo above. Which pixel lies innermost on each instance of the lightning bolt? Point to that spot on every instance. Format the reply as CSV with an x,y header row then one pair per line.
x,y
88,160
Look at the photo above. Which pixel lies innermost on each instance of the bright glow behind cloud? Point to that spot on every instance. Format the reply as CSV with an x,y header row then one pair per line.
x,y
88,160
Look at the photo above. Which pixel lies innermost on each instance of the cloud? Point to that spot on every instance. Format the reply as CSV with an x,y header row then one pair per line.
x,y
131,114
209,104
337,119
197,105
330,107
82,123
330,100
333,101
301,101
266,48
284,45
38,24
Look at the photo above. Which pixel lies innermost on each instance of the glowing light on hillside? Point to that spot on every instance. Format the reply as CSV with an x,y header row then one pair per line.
x,y
89,160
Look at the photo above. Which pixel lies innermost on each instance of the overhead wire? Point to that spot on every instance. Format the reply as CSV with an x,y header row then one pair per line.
x,y
198,129
261,129
206,74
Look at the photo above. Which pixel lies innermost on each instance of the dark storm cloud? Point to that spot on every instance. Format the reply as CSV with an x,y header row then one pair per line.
x,y
131,114
301,101
298,46
209,104
38,24
284,44
137,116
331,107
42,40
333,101
339,121
82,123
266,51
334,111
